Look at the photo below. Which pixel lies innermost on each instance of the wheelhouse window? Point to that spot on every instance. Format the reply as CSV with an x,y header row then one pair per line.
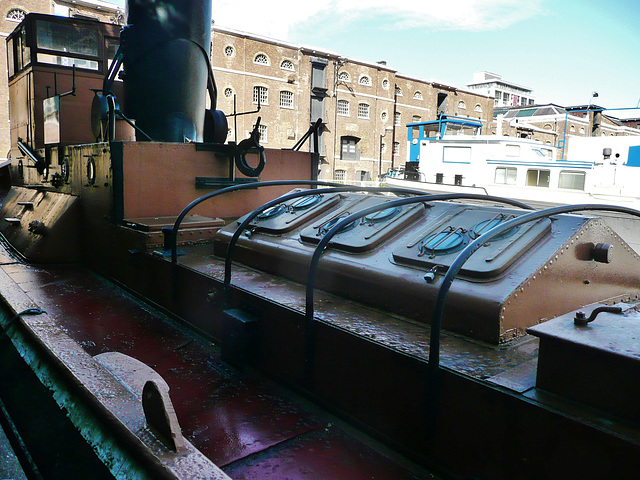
x,y
538,178
571,180
505,175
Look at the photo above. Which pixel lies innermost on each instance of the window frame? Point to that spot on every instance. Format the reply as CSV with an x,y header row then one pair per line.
x,y
364,109
287,104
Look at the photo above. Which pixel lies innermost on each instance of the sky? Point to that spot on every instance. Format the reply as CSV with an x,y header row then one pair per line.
x,y
563,50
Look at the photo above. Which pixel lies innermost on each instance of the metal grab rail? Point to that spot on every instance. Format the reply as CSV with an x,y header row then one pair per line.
x,y
322,245
291,196
465,254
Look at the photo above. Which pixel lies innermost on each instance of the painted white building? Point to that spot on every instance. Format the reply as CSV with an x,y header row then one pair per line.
x,y
506,94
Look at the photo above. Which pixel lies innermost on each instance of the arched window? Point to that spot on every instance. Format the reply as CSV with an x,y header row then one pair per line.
x,y
478,108
365,80
344,77
261,59
343,107
363,110
418,96
287,65
462,105
398,91
16,14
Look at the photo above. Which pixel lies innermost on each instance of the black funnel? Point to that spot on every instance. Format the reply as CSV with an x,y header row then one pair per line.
x,y
166,62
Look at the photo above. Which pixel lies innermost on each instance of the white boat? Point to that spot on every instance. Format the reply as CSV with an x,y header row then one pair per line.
x,y
451,155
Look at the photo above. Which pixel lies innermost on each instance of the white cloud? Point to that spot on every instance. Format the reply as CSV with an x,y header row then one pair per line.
x,y
276,18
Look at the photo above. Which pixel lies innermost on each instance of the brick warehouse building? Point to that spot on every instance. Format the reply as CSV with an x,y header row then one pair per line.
x,y
364,106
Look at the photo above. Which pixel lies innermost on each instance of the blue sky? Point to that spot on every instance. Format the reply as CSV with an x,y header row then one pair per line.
x,y
562,49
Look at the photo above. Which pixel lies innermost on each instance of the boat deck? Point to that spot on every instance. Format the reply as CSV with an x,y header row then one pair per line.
x,y
248,427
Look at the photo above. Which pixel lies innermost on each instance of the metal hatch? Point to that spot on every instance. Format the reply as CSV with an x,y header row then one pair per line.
x,y
286,216
439,243
363,235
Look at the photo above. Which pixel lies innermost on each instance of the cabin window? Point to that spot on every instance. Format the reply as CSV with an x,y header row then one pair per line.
x,y
538,178
571,180
286,99
505,175
349,148
513,150
363,110
260,95
67,38
343,107
456,154
340,175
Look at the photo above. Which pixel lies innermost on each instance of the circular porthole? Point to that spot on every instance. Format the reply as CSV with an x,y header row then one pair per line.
x,y
272,212
487,225
442,243
91,171
305,202
383,215
331,223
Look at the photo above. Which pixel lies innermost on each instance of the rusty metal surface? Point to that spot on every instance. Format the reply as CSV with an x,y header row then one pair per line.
x,y
496,295
227,416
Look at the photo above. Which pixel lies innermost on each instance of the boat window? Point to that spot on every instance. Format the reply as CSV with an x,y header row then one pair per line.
x,y
513,150
456,154
505,175
70,39
538,178
571,180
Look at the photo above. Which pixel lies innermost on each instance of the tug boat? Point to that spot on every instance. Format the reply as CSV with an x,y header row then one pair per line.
x,y
170,310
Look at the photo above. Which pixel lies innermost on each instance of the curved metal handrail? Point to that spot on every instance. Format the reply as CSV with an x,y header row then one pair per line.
x,y
463,256
291,196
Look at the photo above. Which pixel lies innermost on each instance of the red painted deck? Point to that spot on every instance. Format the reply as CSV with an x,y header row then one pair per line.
x,y
249,428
